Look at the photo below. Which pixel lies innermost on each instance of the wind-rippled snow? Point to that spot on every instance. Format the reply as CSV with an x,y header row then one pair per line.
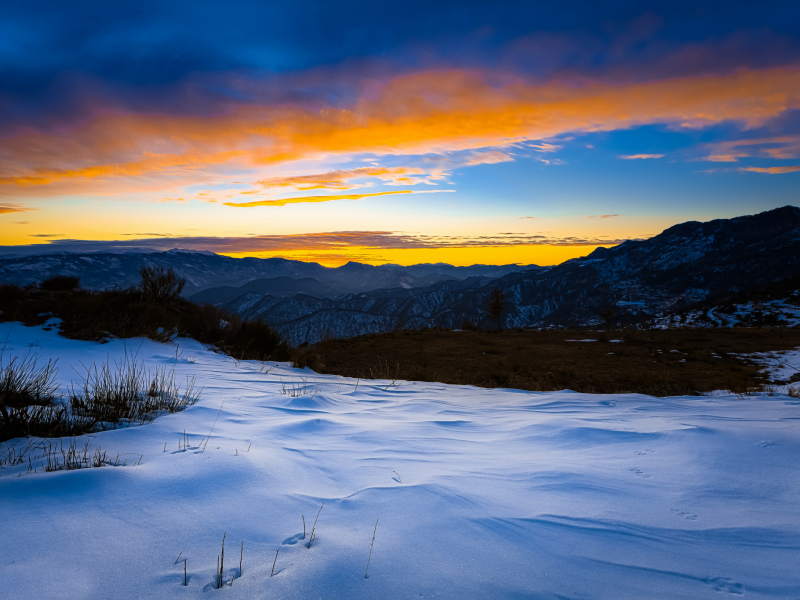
x,y
480,493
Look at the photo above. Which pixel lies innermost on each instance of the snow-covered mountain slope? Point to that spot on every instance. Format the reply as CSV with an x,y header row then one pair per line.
x,y
478,493
639,280
220,276
784,312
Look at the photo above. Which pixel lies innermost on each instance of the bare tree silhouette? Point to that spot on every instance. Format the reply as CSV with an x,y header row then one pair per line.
x,y
495,304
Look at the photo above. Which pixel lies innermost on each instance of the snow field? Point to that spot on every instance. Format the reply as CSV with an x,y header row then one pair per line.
x,y
500,494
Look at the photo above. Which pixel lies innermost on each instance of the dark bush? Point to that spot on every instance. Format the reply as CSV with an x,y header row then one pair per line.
x,y
160,284
159,314
252,340
10,294
468,325
60,283
304,356
495,303
27,397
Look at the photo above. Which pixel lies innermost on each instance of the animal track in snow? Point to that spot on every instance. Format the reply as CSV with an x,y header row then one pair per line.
x,y
641,473
644,452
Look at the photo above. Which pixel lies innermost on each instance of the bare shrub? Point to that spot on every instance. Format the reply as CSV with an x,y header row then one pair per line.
x,y
495,304
304,356
160,284
60,283
607,316
24,383
10,295
421,373
124,313
28,398
467,325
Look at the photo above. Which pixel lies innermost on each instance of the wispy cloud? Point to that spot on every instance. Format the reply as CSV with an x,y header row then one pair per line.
x,y
771,170
339,179
545,147
639,156
435,112
602,216
777,147
310,242
485,157
6,208
300,199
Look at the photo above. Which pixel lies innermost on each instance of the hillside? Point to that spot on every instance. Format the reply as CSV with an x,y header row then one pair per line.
x,y
639,280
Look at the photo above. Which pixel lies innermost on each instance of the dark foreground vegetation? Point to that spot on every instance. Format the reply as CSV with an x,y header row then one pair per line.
x,y
120,393
108,396
655,362
152,309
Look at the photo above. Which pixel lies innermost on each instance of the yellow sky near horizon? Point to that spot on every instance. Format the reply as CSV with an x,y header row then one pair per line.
x,y
458,257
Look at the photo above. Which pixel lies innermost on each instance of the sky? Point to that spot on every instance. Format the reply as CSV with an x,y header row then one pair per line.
x,y
403,132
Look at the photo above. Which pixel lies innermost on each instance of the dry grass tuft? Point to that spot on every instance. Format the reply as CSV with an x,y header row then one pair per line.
x,y
124,393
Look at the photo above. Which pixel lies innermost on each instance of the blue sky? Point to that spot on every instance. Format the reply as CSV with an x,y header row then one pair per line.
x,y
401,132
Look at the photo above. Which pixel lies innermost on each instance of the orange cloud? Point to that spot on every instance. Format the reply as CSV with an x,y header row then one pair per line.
x,y
12,208
285,201
781,147
640,156
772,170
337,180
334,241
418,113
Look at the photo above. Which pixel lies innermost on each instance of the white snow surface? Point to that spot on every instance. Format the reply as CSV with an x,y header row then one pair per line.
x,y
780,365
500,493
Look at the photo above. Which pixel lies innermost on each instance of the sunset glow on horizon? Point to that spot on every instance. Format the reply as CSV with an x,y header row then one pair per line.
x,y
406,134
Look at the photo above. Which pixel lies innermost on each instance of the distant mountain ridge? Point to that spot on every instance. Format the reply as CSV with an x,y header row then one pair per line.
x,y
641,281
638,280
205,270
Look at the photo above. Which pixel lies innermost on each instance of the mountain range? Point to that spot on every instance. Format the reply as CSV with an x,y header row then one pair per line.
x,y
219,276
642,281
638,281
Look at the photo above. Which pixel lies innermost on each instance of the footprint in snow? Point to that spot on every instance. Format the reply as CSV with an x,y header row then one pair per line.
x,y
686,515
766,443
607,403
291,541
724,584
644,452
640,473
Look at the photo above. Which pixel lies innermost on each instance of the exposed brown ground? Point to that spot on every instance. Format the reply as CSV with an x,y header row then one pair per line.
x,y
660,363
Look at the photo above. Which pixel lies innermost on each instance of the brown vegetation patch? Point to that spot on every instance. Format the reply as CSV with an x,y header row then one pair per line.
x,y
658,363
